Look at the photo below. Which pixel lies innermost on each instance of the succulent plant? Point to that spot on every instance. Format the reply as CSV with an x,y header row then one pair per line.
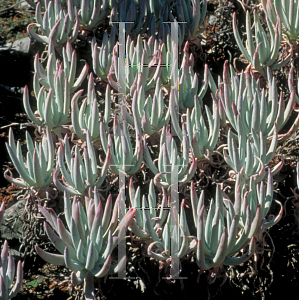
x,y
122,157
147,211
102,56
258,109
218,233
201,140
150,111
169,159
287,11
139,61
137,16
7,274
56,24
53,106
180,237
91,13
259,198
250,153
46,77
189,81
87,242
36,170
193,14
261,53
81,173
87,118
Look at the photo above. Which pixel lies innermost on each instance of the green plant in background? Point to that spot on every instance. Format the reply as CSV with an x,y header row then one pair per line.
x,y
13,22
137,14
193,13
91,13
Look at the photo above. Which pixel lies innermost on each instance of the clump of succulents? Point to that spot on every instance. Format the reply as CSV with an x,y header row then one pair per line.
x,y
88,116
79,174
7,269
261,53
218,233
56,24
242,100
46,77
7,274
170,161
87,242
123,159
36,170
288,13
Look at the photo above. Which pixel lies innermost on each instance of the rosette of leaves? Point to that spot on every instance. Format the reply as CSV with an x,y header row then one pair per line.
x,y
136,15
147,212
169,159
218,233
288,11
193,14
123,159
79,174
250,153
258,196
172,233
261,53
189,81
259,109
56,24
91,13
36,169
102,56
87,117
86,243
7,274
46,76
140,59
53,106
149,111
203,138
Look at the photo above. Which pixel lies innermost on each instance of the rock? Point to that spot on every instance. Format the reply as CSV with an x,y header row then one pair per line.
x,y
21,46
12,225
